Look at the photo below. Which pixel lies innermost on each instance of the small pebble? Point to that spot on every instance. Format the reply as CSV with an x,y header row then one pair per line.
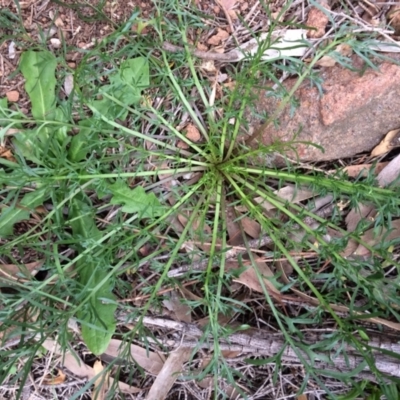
x,y
12,96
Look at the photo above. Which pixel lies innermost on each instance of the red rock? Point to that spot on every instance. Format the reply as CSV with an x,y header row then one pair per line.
x,y
352,116
12,96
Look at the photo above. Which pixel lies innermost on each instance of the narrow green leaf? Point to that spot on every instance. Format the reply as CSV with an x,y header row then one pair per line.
x,y
19,212
82,221
97,314
39,69
3,107
136,200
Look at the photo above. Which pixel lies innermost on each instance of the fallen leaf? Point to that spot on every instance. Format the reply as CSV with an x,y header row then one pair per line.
x,y
393,17
301,397
228,4
16,271
169,373
229,390
57,380
150,361
372,238
74,364
251,227
218,37
386,144
100,386
250,279
233,227
354,171
390,173
7,154
180,312
292,194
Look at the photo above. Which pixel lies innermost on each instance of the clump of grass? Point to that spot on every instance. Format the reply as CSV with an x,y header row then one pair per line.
x,y
120,198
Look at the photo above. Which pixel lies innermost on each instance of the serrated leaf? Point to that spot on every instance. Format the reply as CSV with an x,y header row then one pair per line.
x,y
19,212
39,69
126,86
136,200
135,72
98,313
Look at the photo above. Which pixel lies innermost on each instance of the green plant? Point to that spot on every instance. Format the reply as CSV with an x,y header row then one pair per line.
x,y
109,145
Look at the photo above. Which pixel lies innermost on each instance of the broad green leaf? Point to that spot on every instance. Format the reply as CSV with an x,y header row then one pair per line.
x,y
79,147
135,72
136,200
20,211
126,86
97,314
39,69
83,142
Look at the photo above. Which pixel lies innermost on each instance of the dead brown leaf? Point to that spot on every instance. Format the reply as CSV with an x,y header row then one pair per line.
x,y
390,173
352,219
180,312
251,227
100,386
372,238
149,360
73,363
7,154
386,144
169,373
301,397
289,193
250,279
228,4
229,390
55,380
393,17
218,38
233,227
362,169
15,271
